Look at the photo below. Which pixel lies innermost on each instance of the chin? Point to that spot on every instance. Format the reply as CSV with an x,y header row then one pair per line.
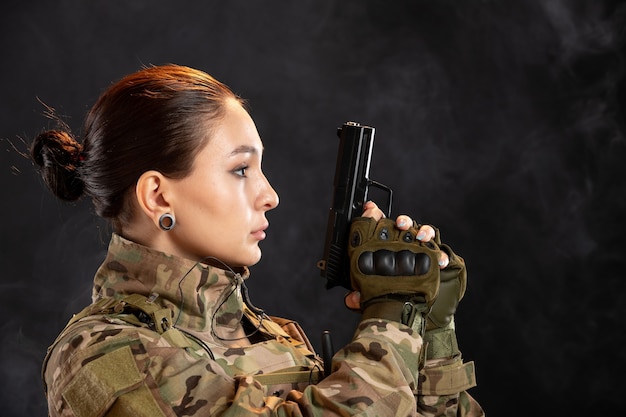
x,y
253,262
247,261
254,259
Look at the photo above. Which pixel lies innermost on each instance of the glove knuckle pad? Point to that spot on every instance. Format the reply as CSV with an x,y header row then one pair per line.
x,y
389,263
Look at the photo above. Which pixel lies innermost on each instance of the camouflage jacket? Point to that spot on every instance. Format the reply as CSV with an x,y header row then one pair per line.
x,y
163,337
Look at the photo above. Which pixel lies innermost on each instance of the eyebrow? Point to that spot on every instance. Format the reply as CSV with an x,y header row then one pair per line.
x,y
244,149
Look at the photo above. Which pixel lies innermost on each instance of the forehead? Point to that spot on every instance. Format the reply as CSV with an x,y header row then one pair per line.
x,y
234,133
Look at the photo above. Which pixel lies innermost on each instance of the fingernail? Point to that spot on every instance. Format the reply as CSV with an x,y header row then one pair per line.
x,y
443,262
402,222
420,235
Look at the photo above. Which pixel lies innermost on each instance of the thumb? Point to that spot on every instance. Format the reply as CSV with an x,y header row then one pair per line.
x,y
352,300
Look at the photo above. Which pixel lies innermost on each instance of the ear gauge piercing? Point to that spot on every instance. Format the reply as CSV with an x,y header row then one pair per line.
x,y
166,221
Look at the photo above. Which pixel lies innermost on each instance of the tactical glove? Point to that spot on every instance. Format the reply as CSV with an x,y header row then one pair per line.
x,y
397,275
440,334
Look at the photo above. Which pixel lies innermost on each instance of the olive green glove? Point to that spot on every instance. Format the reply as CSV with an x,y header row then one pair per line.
x,y
440,333
397,275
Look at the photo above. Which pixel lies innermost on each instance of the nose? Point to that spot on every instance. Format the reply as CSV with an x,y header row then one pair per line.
x,y
268,198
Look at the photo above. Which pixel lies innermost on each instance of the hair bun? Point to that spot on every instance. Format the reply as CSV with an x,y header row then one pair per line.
x,y
58,155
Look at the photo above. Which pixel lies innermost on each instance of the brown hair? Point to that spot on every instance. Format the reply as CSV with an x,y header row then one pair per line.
x,y
158,118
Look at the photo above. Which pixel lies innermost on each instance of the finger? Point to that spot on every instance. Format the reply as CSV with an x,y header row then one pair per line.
x,y
425,233
372,210
404,222
444,260
352,300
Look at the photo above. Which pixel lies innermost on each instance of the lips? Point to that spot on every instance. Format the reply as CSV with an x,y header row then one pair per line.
x,y
259,234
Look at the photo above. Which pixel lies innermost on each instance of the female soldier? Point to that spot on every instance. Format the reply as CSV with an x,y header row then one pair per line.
x,y
173,159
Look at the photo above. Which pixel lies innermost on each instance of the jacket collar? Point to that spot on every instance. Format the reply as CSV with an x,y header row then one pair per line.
x,y
200,296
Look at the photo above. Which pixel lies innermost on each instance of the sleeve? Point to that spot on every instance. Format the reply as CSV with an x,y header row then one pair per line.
x,y
380,373
443,388
375,374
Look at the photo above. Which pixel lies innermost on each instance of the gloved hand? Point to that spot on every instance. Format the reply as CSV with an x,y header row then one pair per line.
x,y
396,274
440,332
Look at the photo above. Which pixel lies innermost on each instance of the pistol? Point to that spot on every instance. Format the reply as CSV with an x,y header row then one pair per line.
x,y
351,191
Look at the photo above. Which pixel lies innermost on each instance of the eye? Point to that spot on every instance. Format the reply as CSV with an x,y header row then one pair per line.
x,y
240,171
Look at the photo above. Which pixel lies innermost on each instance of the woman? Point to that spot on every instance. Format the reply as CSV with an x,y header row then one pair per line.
x,y
173,159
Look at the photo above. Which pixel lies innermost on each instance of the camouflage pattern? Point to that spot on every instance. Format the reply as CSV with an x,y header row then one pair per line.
x,y
167,357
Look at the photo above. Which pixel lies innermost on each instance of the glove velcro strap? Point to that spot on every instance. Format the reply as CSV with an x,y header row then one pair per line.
x,y
441,343
447,379
409,310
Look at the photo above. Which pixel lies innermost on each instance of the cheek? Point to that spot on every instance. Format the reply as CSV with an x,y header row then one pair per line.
x,y
222,218
199,215
216,207
202,196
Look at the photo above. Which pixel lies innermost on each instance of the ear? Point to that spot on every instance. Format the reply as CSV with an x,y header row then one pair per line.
x,y
152,192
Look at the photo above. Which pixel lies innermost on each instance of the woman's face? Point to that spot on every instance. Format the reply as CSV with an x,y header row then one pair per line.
x,y
220,207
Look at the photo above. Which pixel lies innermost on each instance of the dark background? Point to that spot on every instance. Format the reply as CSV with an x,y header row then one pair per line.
x,y
501,122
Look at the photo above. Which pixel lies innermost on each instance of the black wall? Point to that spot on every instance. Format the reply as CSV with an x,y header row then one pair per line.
x,y
501,122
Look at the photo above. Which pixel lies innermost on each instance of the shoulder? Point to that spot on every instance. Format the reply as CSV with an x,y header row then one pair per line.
x,y
87,339
98,335
107,356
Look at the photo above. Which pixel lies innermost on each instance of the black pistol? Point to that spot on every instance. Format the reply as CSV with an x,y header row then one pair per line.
x,y
351,189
